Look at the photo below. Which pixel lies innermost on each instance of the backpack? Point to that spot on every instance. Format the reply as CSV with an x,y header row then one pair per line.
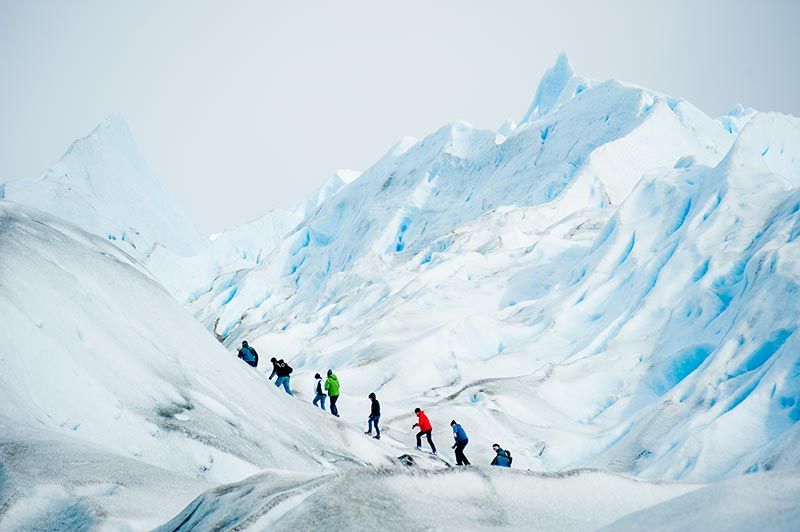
x,y
288,369
508,455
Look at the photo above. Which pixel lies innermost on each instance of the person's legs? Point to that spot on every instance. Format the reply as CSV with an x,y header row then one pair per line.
x,y
287,385
430,440
461,458
377,428
334,409
319,400
370,419
278,382
419,439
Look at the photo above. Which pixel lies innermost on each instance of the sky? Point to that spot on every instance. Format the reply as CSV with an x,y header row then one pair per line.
x,y
242,107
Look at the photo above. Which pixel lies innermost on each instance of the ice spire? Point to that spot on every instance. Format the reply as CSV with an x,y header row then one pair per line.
x,y
550,88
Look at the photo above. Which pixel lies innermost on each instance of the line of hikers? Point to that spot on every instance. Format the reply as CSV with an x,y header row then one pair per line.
x,y
330,388
502,457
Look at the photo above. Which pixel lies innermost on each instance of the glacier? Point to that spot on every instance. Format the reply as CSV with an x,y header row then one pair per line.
x,y
616,245
605,287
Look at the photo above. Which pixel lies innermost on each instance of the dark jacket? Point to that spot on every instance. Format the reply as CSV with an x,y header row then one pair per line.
x,y
275,366
282,369
375,410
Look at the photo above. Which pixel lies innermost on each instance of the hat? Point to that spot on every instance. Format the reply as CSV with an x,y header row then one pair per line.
x,y
317,376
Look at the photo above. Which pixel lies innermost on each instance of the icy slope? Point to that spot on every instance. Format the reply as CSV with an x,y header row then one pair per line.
x,y
103,185
395,499
597,289
92,349
492,499
755,502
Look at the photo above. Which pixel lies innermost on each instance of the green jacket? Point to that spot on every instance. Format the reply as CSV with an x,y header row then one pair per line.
x,y
332,385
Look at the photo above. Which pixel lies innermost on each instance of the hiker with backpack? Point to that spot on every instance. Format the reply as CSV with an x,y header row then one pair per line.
x,y
374,416
425,429
503,458
248,354
283,370
332,387
461,441
319,394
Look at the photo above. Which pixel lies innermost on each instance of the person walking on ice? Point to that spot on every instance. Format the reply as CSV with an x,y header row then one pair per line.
x,y
248,354
332,387
425,429
283,370
319,393
461,441
374,417
503,458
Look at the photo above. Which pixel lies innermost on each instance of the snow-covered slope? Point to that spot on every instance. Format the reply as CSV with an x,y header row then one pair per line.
x,y
490,499
97,360
103,185
593,289
394,499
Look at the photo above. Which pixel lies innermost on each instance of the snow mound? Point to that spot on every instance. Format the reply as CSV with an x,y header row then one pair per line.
x,y
95,351
477,498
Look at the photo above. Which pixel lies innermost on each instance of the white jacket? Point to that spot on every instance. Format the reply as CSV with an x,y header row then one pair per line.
x,y
318,387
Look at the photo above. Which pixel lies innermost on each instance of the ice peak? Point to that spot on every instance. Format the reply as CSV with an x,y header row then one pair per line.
x,y
112,133
114,125
550,88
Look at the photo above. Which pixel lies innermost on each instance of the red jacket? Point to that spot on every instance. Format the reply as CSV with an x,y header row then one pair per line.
x,y
424,423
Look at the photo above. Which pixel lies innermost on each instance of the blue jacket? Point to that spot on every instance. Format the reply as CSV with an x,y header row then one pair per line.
x,y
246,354
501,459
459,434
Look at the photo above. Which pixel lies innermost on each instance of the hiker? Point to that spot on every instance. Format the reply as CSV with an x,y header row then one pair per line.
x,y
283,370
425,429
461,441
503,458
332,387
374,416
248,354
274,367
319,394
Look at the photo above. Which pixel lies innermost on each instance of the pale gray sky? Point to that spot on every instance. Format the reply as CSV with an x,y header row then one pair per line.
x,y
245,106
